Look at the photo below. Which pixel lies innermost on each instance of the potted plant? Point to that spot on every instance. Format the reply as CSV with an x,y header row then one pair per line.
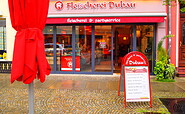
x,y
164,70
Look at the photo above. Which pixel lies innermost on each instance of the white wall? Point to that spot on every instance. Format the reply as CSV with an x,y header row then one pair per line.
x,y
161,32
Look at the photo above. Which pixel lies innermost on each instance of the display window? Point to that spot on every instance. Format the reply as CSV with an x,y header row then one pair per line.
x,y
145,42
49,45
83,47
103,35
2,38
96,49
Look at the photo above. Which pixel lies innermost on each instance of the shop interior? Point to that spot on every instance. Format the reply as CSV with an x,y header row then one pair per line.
x,y
98,48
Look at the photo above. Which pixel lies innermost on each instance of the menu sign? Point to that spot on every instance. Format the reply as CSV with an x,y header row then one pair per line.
x,y
135,68
136,83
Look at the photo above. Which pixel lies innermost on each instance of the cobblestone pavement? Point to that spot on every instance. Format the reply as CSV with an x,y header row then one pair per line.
x,y
82,94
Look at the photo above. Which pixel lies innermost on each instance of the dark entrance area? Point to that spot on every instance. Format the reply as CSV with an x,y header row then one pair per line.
x,y
129,38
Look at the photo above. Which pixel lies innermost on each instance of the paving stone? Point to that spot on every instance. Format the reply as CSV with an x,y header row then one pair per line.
x,y
81,94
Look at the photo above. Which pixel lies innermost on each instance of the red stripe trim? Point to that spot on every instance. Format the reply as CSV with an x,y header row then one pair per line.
x,y
105,20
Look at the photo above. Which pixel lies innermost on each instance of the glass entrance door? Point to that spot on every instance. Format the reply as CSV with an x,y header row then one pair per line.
x,y
93,48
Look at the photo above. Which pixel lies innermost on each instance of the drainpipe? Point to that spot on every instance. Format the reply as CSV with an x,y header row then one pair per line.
x,y
167,24
177,33
169,31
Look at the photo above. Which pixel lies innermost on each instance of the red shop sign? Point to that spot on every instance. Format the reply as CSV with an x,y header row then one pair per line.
x,y
135,59
104,20
66,63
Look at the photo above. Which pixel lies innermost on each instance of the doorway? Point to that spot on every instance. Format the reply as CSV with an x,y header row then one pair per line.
x,y
122,43
182,46
129,38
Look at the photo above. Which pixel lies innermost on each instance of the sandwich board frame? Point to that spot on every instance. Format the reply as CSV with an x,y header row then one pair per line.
x,y
135,70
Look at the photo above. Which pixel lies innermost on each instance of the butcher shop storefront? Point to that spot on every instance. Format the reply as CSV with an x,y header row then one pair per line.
x,y
91,37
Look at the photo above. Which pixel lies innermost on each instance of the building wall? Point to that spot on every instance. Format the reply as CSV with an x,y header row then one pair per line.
x,y
161,32
175,40
10,32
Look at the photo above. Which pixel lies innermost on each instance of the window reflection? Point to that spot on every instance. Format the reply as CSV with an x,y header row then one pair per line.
x,y
145,39
103,34
49,46
83,48
64,48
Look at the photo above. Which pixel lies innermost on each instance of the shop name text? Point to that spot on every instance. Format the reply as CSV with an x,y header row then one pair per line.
x,y
87,5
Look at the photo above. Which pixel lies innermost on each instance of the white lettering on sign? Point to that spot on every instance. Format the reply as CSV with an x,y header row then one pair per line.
x,y
141,58
69,64
76,20
107,20
88,5
135,62
68,59
132,60
93,20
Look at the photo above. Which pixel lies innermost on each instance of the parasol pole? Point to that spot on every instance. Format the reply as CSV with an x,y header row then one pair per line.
x,y
31,98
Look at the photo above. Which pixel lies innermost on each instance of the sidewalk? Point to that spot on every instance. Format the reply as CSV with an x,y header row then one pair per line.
x,y
83,94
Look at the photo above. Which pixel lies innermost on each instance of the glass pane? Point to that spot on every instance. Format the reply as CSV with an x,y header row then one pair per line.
x,y
64,48
2,38
48,34
103,61
145,39
83,48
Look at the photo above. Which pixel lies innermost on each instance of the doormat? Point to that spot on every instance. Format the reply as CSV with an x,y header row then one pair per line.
x,y
174,105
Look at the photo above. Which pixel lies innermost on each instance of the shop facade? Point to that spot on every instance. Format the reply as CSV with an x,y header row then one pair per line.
x,y
92,37
103,28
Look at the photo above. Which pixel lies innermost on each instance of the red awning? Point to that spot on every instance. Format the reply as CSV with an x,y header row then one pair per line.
x,y
105,20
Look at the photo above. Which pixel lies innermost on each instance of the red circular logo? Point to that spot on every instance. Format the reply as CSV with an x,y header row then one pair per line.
x,y
58,5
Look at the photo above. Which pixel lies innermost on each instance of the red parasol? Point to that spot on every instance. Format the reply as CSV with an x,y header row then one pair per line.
x,y
28,18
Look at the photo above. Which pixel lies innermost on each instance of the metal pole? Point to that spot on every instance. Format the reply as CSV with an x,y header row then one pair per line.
x,y
169,33
31,98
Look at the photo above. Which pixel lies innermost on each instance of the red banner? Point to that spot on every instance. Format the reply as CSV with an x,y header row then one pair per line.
x,y
105,20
